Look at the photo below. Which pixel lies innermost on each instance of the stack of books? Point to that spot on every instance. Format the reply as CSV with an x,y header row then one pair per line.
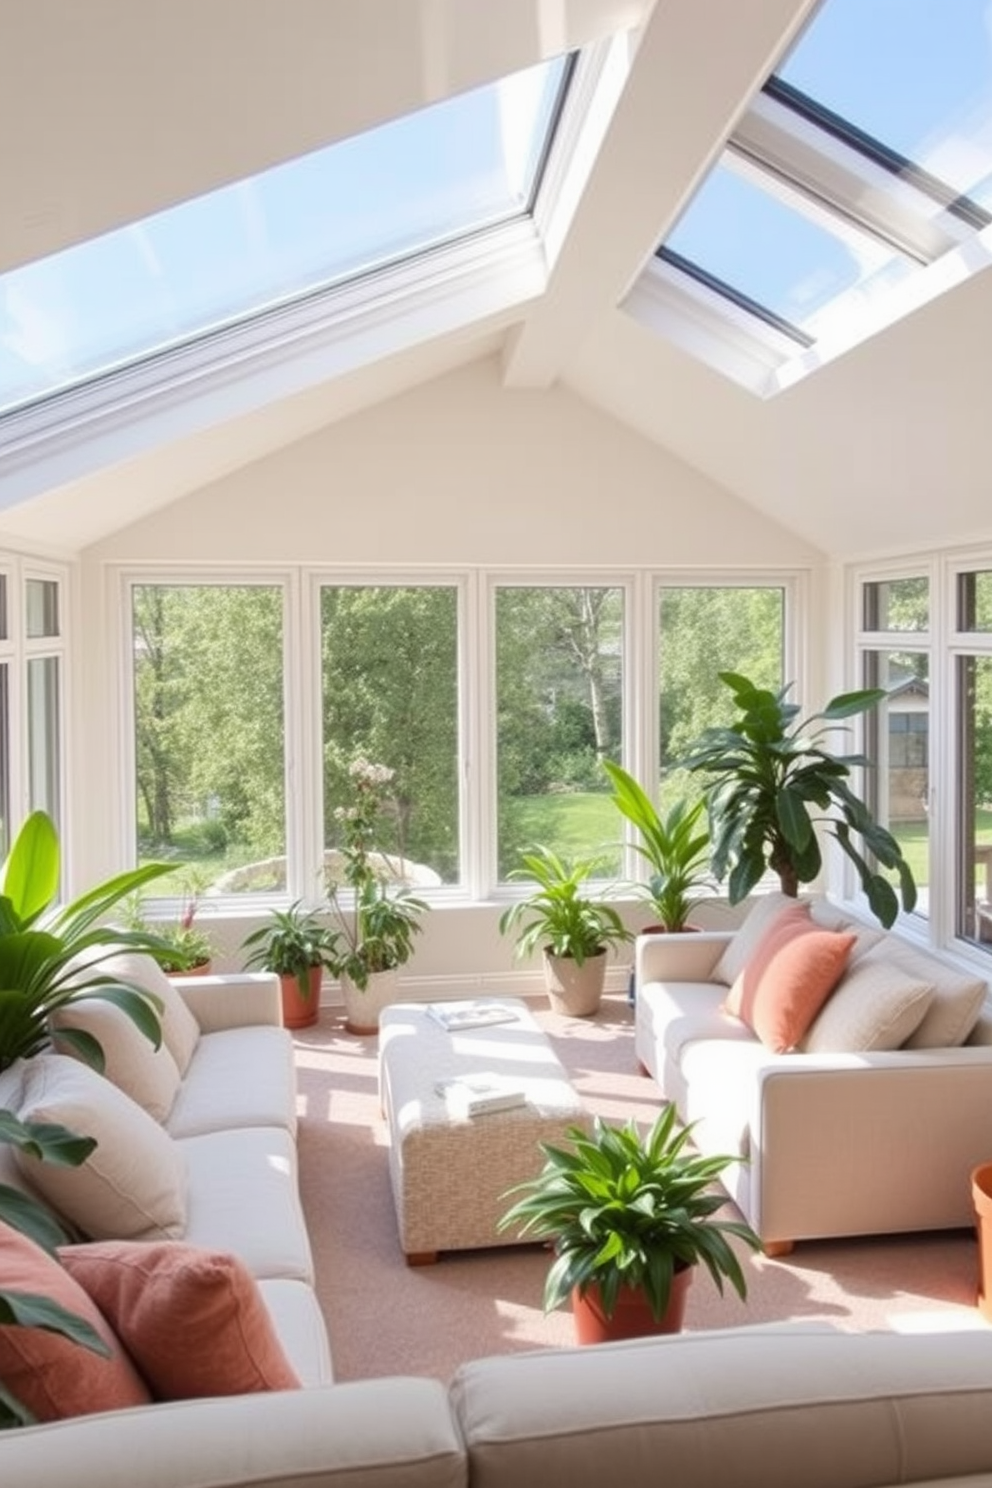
x,y
478,1095
458,1015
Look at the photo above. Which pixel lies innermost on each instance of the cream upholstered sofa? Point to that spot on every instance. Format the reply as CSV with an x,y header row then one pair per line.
x,y
871,1125
884,1408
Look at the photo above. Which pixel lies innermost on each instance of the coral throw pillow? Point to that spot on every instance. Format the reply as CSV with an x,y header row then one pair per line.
x,y
50,1375
193,1320
789,976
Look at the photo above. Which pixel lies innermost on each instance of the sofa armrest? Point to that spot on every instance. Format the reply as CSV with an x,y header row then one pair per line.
x,y
854,1144
232,1000
390,1433
688,956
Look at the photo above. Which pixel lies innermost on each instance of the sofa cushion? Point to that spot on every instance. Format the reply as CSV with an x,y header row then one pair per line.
x,y
243,1195
180,1030
239,1077
133,1185
957,1000
51,1375
192,1320
148,1075
788,977
876,1005
745,940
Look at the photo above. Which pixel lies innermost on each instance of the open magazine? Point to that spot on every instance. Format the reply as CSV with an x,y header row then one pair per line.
x,y
458,1015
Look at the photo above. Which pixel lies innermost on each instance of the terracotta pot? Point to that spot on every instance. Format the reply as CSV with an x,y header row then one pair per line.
x,y
299,1011
203,969
362,1008
574,990
633,1317
981,1193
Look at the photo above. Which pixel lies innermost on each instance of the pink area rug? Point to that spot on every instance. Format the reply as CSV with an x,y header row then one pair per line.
x,y
387,1318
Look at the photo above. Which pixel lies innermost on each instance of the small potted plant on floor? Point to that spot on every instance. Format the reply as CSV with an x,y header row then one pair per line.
x,y
675,847
574,931
629,1219
376,930
298,946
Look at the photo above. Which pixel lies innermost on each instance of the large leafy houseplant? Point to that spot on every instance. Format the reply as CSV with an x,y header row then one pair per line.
x,y
773,781
52,954
624,1211
54,1144
675,846
376,931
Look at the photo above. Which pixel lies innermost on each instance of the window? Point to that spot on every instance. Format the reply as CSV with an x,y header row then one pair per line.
x,y
209,733
862,166
974,801
897,783
493,698
559,682
702,631
389,683
32,707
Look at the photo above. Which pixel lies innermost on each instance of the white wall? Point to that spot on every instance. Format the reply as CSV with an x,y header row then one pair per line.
x,y
456,472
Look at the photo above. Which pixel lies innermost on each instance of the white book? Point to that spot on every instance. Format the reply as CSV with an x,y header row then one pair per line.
x,y
471,1015
477,1095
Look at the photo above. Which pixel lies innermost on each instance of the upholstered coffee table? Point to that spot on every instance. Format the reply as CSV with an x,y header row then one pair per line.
x,y
450,1170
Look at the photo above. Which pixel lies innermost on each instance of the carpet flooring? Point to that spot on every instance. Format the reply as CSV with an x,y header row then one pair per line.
x,y
387,1318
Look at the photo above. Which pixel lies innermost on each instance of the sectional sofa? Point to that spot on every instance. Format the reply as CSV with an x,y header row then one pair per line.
x,y
871,1123
211,1164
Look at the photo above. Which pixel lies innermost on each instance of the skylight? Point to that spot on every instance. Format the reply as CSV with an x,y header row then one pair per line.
x,y
865,161
303,228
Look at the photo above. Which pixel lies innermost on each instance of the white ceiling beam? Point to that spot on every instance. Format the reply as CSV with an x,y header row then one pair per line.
x,y
696,66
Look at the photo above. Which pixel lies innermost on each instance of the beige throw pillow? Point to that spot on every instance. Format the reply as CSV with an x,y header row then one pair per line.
x,y
133,1185
875,1006
180,1030
148,1075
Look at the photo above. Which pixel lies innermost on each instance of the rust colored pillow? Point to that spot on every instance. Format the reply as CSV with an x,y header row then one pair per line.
x,y
193,1320
791,973
50,1375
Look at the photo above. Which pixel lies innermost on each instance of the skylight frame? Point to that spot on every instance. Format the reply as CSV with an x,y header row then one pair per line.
x,y
196,344
835,171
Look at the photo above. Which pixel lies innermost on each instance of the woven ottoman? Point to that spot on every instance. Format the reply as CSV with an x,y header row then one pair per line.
x,y
450,1170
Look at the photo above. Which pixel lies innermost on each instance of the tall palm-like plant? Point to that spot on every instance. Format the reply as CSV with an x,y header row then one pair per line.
x,y
773,781
674,845
52,954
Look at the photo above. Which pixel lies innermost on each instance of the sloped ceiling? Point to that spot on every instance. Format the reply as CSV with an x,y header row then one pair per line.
x,y
119,107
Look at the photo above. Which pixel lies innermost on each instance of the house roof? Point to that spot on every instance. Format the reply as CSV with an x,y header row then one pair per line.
x,y
121,107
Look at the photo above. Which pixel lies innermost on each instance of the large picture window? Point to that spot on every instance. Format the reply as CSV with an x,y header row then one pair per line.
x,y
389,683
209,734
704,630
973,878
559,681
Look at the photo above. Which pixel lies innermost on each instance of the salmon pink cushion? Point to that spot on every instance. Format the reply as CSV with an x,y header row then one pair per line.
x,y
50,1375
788,978
193,1320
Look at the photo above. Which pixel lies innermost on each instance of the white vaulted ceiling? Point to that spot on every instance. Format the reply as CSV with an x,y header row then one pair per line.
x,y
112,109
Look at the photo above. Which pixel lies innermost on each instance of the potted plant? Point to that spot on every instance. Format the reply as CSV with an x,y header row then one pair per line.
x,y
50,955
675,847
298,947
629,1218
574,931
187,950
376,931
769,768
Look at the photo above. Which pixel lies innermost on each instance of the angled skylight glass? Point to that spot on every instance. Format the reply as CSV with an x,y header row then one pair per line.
x,y
865,160
454,168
